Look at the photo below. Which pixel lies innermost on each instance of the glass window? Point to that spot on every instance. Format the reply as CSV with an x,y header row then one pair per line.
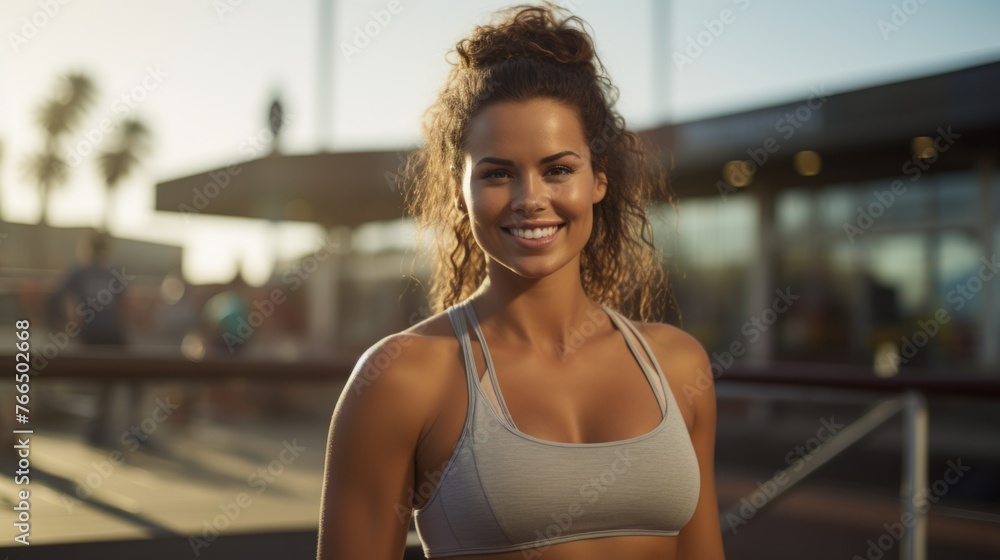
x,y
714,252
898,263
817,326
958,262
837,204
958,197
716,233
794,210
857,295
861,295
910,203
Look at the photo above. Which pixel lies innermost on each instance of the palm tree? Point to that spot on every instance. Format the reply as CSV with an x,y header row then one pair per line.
x,y
118,161
57,117
48,170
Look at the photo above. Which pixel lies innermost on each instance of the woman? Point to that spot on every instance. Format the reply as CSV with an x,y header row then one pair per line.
x,y
558,430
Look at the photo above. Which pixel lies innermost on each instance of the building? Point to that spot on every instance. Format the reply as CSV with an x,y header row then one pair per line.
x,y
848,227
874,211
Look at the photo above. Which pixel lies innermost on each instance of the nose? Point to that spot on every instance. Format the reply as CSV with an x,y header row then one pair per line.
x,y
530,194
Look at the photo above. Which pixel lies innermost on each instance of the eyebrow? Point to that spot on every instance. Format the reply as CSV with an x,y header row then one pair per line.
x,y
507,162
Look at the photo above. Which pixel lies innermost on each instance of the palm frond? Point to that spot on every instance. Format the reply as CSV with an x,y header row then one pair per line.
x,y
134,135
80,90
62,113
116,165
118,161
55,117
46,169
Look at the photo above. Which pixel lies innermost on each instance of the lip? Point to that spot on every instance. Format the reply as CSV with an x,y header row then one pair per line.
x,y
534,224
534,243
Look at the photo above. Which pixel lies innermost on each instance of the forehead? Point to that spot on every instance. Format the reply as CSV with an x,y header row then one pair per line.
x,y
529,128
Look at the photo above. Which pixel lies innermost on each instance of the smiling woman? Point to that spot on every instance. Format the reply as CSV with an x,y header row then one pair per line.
x,y
536,194
538,57
505,195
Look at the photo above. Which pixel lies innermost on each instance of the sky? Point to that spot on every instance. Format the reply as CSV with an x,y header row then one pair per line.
x,y
202,74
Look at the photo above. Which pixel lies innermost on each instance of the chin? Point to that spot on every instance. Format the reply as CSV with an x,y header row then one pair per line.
x,y
533,271
527,265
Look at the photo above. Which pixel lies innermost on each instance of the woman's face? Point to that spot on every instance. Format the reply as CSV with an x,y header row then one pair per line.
x,y
527,169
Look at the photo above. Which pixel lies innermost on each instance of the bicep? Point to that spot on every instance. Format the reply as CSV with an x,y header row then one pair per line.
x,y
702,536
365,511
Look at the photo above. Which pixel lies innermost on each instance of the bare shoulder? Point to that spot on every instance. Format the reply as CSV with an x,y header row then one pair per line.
x,y
407,356
404,372
686,365
680,350
392,397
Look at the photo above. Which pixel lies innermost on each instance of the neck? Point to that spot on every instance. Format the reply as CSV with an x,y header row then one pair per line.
x,y
550,315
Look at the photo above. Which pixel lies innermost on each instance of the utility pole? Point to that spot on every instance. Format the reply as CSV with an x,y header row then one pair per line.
x,y
324,101
662,23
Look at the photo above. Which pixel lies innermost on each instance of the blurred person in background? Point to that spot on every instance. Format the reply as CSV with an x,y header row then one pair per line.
x,y
93,294
536,193
224,318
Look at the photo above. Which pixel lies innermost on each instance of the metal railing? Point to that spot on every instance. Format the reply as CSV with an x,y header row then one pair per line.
x,y
914,407
910,401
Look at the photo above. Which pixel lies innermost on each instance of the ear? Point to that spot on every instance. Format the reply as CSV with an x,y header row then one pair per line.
x,y
458,199
600,186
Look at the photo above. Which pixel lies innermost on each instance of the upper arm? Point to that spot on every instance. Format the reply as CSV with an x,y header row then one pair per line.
x,y
367,483
702,536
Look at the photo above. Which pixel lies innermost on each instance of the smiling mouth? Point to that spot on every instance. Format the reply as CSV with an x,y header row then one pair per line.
x,y
534,233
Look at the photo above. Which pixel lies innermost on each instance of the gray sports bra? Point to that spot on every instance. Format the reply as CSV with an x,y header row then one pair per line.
x,y
504,490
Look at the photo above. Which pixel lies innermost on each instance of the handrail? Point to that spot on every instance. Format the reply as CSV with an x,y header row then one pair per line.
x,y
793,474
913,405
964,383
915,434
130,363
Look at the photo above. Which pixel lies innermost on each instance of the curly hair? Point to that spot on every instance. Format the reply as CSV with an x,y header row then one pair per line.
x,y
540,52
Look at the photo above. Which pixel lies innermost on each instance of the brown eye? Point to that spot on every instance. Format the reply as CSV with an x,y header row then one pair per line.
x,y
495,174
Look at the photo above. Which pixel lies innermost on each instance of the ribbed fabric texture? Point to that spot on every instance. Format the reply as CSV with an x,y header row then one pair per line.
x,y
504,490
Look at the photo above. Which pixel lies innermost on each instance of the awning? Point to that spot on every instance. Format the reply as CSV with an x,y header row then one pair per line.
x,y
332,189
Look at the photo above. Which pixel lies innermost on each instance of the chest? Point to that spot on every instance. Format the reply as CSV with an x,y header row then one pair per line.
x,y
601,396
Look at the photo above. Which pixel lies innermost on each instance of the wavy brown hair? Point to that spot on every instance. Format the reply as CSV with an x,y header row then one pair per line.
x,y
540,52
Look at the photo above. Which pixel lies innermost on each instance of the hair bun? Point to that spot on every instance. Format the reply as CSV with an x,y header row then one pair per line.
x,y
532,32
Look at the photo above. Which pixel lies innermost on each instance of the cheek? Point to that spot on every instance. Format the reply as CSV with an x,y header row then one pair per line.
x,y
485,215
580,202
488,204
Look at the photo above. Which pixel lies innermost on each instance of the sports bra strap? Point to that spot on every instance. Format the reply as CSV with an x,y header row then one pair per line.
x,y
491,372
458,323
649,365
658,386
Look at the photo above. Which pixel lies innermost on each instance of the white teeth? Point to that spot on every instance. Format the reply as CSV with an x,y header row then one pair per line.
x,y
533,233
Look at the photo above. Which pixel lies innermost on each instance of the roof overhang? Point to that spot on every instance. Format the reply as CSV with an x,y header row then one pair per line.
x,y
332,189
